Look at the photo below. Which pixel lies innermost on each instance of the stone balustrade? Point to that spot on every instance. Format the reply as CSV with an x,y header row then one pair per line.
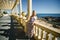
x,y
42,30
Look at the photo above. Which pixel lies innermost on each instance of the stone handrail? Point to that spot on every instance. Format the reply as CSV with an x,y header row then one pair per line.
x,y
42,30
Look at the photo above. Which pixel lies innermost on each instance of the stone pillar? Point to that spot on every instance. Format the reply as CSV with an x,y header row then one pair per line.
x,y
29,8
15,11
20,6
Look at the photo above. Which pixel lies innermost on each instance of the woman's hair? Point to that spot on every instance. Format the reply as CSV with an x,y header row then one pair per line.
x,y
33,13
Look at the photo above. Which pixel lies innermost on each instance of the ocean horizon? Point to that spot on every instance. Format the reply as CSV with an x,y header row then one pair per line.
x,y
39,15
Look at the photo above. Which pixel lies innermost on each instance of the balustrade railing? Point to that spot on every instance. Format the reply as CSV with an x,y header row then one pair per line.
x,y
42,31
46,32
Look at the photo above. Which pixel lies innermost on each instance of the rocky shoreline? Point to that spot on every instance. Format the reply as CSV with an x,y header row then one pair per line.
x,y
55,21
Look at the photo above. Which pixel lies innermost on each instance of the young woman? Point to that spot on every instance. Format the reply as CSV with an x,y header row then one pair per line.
x,y
30,24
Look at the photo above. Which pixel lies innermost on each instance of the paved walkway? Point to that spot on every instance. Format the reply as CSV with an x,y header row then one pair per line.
x,y
4,21
11,30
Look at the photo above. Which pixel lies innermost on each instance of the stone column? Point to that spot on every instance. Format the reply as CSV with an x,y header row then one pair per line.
x,y
29,8
20,6
15,11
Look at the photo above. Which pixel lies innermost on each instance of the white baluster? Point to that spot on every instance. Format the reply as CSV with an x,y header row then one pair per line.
x,y
43,39
44,35
36,34
50,36
34,29
39,36
57,38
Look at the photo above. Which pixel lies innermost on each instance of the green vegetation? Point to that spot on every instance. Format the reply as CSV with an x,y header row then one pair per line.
x,y
5,12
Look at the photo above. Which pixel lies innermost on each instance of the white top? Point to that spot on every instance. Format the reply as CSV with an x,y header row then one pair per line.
x,y
33,19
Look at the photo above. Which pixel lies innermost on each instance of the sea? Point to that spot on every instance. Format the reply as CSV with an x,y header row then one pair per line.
x,y
39,15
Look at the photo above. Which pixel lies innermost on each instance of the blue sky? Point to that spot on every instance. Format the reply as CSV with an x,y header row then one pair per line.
x,y
43,6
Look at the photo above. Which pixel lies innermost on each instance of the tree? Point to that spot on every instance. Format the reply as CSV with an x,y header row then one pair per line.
x,y
5,12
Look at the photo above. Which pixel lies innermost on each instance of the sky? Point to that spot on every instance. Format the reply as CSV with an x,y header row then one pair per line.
x,y
43,6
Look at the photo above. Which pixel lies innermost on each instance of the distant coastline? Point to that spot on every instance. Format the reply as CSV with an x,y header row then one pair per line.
x,y
39,15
